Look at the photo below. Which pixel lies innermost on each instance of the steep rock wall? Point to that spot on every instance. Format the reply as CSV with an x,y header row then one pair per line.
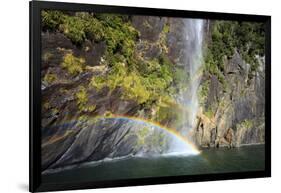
x,y
233,116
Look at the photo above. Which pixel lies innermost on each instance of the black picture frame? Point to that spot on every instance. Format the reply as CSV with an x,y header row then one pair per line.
x,y
35,184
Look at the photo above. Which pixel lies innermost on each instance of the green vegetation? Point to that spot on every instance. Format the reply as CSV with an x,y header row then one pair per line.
x,y
226,38
107,114
50,78
72,64
52,19
137,78
247,38
152,83
147,82
167,113
82,100
74,29
162,43
82,97
134,88
115,30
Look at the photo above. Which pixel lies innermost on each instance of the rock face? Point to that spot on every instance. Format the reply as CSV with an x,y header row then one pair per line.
x,y
96,139
71,135
237,116
57,44
86,141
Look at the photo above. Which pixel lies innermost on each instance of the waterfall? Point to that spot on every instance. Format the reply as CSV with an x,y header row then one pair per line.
x,y
193,58
192,66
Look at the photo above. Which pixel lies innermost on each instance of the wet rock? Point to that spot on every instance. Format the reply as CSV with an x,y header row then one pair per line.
x,y
98,139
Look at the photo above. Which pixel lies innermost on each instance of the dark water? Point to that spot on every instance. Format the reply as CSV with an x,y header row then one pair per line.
x,y
247,158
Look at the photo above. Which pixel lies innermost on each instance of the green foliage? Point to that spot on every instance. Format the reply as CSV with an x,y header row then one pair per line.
x,y
162,42
120,39
92,27
157,76
74,29
222,42
82,97
148,82
91,108
116,76
167,113
82,100
226,37
131,83
98,82
107,114
141,80
166,28
115,30
72,64
50,78
134,88
251,42
52,19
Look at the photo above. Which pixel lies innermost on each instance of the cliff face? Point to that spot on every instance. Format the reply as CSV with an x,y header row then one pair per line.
x,y
233,116
72,132
232,87
105,69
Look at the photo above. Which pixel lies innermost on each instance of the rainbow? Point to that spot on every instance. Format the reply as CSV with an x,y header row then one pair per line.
x,y
172,131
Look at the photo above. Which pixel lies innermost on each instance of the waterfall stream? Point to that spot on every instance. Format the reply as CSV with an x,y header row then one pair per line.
x,y
193,59
194,47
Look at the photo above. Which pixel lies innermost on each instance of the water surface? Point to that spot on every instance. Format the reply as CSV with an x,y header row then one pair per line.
x,y
247,158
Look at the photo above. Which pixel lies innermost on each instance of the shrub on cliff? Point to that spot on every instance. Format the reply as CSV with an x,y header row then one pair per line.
x,y
72,64
51,20
247,38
